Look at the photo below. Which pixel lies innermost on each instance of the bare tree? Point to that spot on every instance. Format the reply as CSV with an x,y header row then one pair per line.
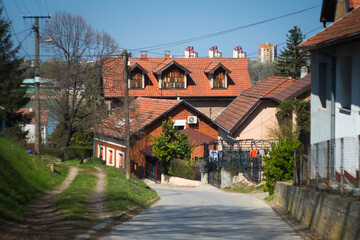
x,y
79,52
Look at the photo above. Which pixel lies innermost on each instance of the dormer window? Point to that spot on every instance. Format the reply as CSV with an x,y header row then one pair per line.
x,y
171,75
220,80
137,77
173,79
218,75
136,80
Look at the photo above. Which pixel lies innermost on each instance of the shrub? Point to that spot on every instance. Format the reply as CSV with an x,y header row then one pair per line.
x,y
77,152
55,152
279,165
185,169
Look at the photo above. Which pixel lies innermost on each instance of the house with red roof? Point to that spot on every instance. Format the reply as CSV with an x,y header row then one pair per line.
x,y
253,112
146,117
335,98
209,84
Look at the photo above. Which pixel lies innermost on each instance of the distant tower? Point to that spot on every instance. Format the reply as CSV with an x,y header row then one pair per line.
x,y
239,52
214,52
190,52
267,52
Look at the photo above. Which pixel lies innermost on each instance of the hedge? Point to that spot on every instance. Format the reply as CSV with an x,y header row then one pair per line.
x,y
69,152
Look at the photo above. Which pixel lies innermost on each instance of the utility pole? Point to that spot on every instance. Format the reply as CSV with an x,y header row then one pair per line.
x,y
37,82
127,120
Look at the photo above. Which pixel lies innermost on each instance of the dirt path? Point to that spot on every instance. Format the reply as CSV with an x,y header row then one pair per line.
x,y
41,218
98,207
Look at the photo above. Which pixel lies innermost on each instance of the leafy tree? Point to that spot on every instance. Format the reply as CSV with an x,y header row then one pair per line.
x,y
170,144
291,59
12,96
279,165
286,128
258,71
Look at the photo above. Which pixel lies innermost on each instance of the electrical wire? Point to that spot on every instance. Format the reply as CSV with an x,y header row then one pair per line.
x,y
211,35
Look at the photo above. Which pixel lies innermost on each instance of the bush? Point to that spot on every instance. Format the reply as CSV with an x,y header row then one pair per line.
x,y
185,169
55,152
279,165
77,152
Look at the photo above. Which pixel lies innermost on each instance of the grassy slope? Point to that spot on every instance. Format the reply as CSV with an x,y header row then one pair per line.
x,y
124,195
24,178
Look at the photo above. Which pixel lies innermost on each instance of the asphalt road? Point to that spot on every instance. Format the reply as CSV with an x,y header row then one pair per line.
x,y
204,213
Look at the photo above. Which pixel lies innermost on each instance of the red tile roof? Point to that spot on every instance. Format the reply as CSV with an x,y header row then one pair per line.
x,y
296,89
347,27
354,3
248,99
147,110
198,82
44,114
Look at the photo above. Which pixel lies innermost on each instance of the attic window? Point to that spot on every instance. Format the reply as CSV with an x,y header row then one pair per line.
x,y
220,80
173,79
218,75
136,80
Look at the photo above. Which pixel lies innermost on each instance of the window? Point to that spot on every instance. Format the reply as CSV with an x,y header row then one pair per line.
x,y
322,83
219,80
173,79
345,82
136,80
180,124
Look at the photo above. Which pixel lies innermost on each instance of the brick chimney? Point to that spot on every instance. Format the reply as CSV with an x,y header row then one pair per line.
x,y
143,54
167,54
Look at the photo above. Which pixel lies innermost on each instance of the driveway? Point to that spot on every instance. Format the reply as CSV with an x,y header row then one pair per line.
x,y
204,213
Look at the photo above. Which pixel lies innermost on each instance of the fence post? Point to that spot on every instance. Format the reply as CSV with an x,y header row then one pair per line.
x,y
317,166
295,170
328,167
308,167
342,167
301,172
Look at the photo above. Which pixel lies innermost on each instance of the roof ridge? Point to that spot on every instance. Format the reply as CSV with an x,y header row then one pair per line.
x,y
277,85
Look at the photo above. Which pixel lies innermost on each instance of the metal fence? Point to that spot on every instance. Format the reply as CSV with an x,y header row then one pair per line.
x,y
331,165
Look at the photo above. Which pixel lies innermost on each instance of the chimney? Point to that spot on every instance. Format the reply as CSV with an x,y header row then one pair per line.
x,y
303,71
239,52
214,52
190,52
143,55
167,54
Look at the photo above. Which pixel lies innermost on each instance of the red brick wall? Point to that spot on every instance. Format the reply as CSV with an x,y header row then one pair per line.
x,y
106,145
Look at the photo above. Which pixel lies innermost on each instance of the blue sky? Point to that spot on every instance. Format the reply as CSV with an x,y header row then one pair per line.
x,y
141,23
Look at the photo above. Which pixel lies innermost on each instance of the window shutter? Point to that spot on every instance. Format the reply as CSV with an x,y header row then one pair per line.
x,y
211,81
225,80
159,79
185,81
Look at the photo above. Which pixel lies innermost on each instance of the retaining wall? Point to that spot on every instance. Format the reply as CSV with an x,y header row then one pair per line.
x,y
176,181
331,216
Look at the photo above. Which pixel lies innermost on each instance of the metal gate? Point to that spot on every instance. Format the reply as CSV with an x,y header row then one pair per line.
x,y
153,170
251,167
214,173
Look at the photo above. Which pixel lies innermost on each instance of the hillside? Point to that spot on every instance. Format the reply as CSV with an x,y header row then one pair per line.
x,y
24,178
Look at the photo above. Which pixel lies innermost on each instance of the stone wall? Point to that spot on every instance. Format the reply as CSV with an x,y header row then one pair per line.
x,y
331,216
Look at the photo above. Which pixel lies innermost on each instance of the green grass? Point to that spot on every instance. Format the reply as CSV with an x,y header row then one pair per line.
x,y
24,178
124,195
77,163
74,201
242,187
269,198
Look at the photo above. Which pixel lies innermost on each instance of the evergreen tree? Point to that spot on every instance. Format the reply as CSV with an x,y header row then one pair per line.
x,y
12,96
169,145
291,59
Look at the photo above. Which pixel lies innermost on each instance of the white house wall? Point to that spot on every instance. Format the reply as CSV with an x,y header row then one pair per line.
x,y
347,124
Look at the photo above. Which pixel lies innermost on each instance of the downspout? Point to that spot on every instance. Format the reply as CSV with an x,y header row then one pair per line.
x,y
333,98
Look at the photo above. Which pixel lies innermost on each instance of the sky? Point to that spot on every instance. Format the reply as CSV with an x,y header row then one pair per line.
x,y
139,24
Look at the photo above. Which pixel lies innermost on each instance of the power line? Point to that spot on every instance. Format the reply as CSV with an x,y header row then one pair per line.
x,y
13,31
25,6
179,42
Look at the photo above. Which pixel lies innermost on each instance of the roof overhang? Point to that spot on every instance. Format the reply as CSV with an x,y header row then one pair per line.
x,y
216,67
331,42
138,66
172,63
